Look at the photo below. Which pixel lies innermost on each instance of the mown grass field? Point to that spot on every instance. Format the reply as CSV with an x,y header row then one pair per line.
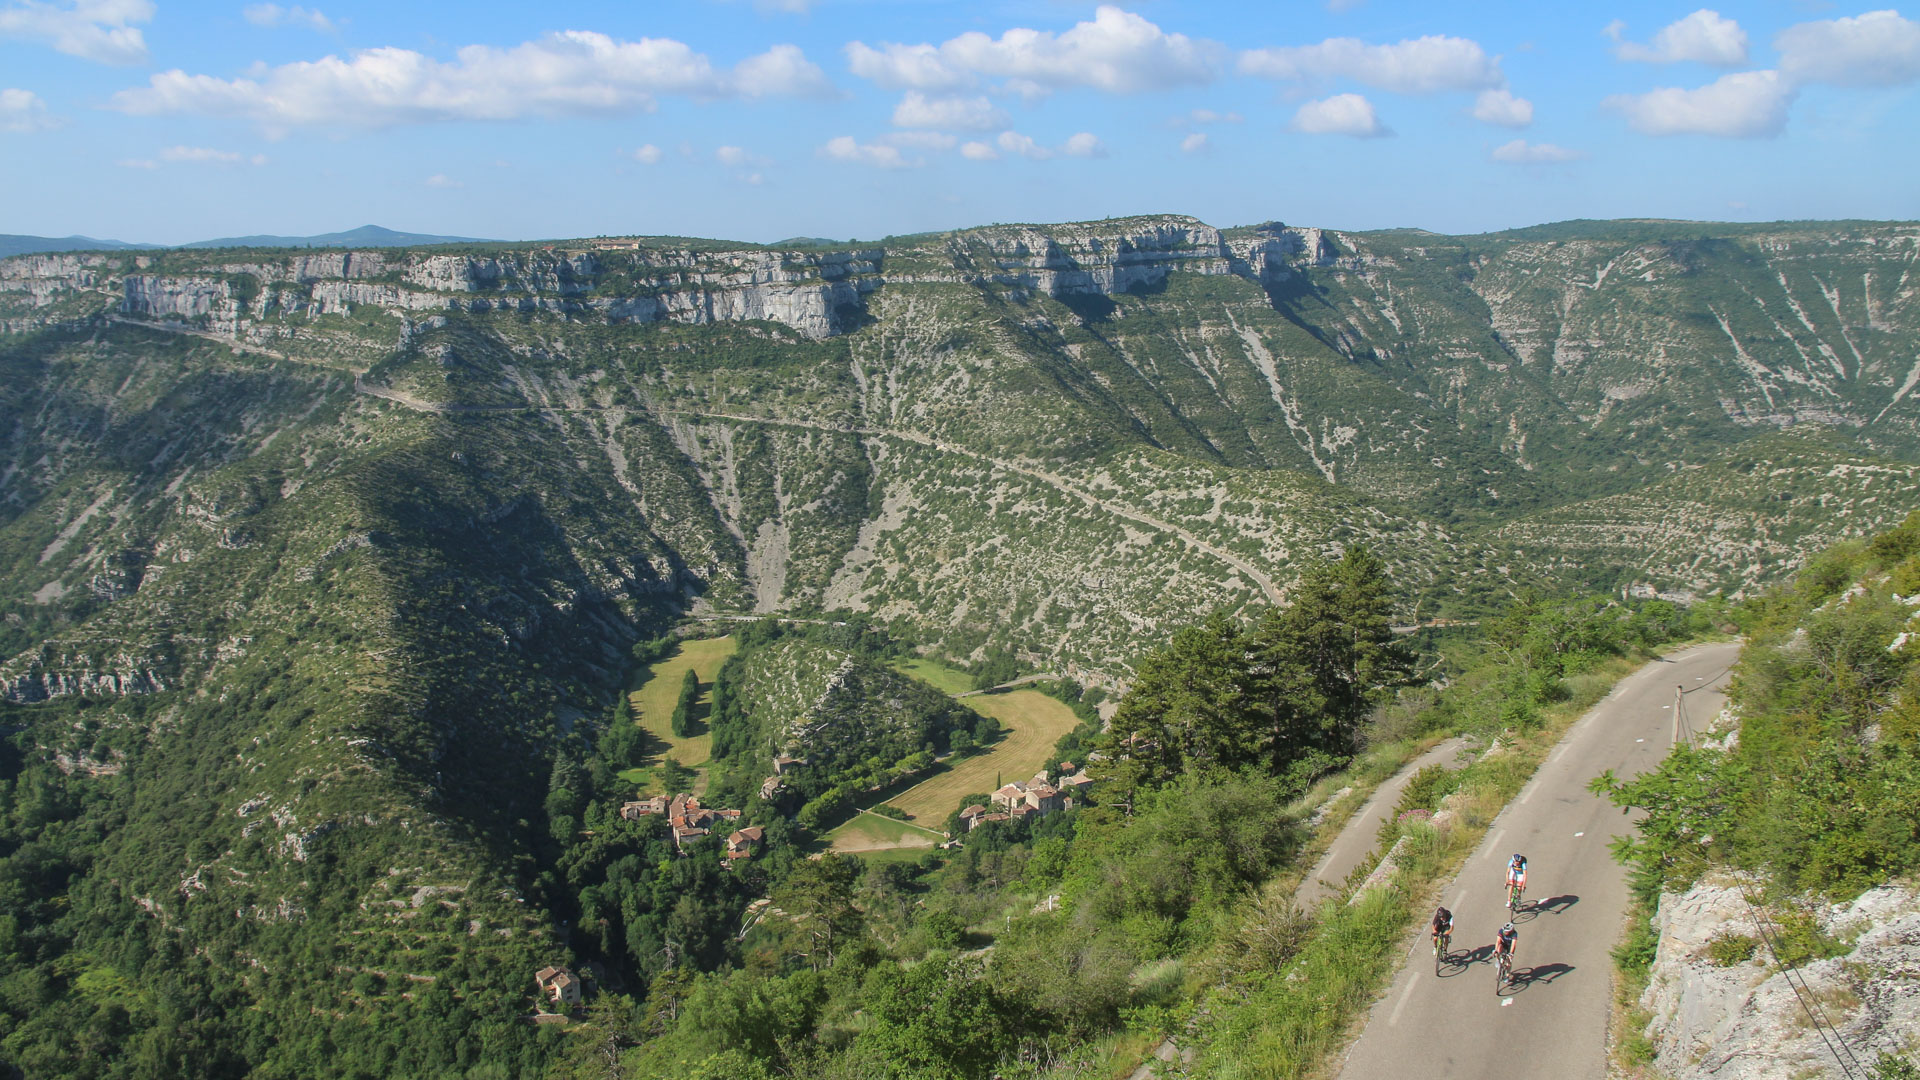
x,y
1033,723
652,702
871,832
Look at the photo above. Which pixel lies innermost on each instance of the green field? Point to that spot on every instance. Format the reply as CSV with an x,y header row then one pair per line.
x,y
1033,721
871,832
653,701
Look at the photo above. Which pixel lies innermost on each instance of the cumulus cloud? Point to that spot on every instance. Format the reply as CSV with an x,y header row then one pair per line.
x,y
1194,143
1502,109
1083,144
1522,152
1745,104
917,110
569,73
878,155
1022,146
1877,49
738,157
1425,65
1704,37
22,111
275,15
1118,52
979,151
1341,114
648,154
99,30
443,182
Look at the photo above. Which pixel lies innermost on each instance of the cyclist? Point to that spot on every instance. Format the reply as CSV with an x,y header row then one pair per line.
x,y
1517,872
1504,942
1442,923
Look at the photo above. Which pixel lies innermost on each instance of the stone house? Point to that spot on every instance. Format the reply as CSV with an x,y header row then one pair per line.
x,y
745,842
558,985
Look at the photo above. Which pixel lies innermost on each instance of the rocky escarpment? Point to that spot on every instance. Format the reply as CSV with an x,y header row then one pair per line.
x,y
1744,1021
1133,254
817,293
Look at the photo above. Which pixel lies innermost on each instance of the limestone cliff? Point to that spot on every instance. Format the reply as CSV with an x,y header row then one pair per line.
x,y
1743,1020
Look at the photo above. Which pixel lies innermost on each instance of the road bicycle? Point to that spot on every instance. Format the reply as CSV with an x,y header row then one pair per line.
x,y
1514,891
1442,948
1502,971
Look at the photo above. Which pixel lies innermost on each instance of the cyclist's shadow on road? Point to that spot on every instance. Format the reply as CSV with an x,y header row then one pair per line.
x,y
1552,905
1545,974
1460,960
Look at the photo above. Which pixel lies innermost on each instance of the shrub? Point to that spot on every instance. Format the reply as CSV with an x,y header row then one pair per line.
x,y
1728,948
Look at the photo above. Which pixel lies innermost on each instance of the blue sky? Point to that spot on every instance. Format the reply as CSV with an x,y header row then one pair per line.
x,y
168,121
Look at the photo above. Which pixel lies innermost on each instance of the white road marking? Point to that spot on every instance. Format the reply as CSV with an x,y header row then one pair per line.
x,y
1394,1017
1639,740
1493,845
1578,835
1460,901
1504,1002
1666,706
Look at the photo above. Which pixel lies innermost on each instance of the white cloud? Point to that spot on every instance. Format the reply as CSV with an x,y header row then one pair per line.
x,y
1083,144
1337,6
1425,65
1522,152
443,182
1745,104
648,154
979,151
1194,143
847,148
564,74
917,110
97,30
1502,109
22,111
275,15
1341,114
202,155
735,157
1023,146
1704,37
1878,48
1117,51
193,155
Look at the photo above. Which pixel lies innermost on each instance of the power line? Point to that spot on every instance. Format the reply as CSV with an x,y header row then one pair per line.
x,y
1809,1004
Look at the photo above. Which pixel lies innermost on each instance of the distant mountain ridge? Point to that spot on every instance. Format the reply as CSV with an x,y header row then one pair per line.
x,y
15,244
366,236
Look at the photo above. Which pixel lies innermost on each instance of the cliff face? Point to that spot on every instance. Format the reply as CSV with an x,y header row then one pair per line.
x,y
1743,1021
819,294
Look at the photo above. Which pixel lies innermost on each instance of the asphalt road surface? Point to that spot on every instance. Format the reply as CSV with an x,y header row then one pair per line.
x,y
1551,1019
1356,840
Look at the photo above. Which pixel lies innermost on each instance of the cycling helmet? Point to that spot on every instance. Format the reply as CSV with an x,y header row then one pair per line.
x,y
1517,857
1507,929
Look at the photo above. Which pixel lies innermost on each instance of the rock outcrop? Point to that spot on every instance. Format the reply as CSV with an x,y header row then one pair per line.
x,y
1743,1021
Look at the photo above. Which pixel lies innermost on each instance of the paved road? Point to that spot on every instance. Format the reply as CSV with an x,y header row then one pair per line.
x,y
1356,840
1553,1021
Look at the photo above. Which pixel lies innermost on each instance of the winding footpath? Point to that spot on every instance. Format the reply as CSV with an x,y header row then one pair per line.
x,y
1552,1020
1356,841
